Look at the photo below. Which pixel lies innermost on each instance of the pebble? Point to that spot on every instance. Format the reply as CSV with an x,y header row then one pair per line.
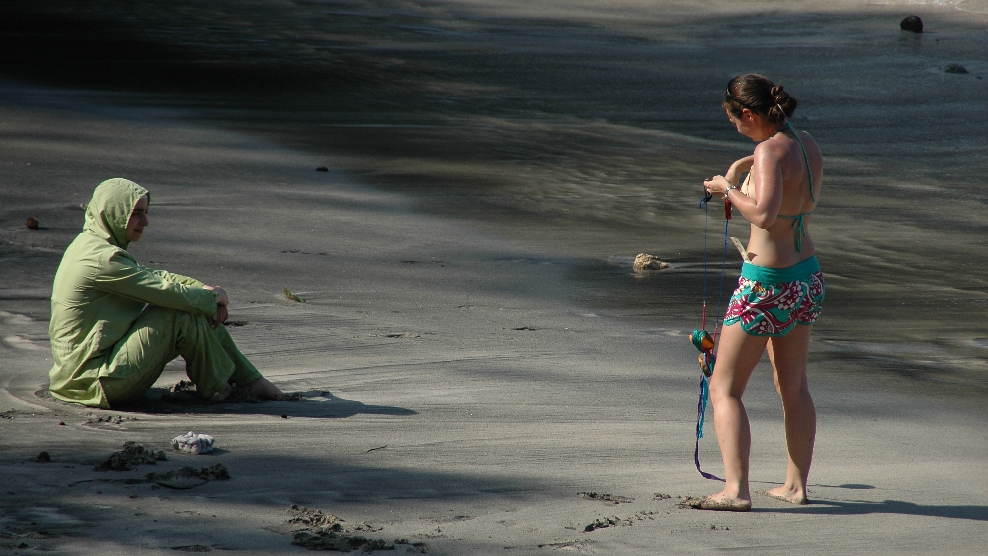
x,y
912,23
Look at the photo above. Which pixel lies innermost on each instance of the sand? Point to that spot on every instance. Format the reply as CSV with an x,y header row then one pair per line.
x,y
457,392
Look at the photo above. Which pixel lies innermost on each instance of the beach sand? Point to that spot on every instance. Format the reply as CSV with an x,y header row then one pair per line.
x,y
480,369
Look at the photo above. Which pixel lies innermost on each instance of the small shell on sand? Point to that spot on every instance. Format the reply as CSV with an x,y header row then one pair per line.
x,y
644,261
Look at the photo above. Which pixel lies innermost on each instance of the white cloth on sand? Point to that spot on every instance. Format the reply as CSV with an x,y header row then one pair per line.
x,y
193,443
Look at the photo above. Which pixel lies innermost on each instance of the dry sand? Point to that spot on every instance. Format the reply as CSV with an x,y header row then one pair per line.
x,y
454,393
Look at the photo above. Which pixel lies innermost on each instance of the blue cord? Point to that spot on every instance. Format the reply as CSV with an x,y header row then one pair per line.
x,y
701,409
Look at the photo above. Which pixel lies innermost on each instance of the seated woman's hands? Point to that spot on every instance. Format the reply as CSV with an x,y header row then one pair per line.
x,y
221,302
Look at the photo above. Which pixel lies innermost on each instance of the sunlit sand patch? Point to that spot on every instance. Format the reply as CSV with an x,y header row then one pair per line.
x,y
20,342
605,497
973,6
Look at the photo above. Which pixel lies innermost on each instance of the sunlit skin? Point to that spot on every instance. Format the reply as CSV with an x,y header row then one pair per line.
x,y
778,184
262,387
138,220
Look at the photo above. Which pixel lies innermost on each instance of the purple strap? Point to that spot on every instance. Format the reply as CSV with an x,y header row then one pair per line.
x,y
701,409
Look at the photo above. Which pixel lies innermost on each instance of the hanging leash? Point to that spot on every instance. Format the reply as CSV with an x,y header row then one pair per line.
x,y
702,339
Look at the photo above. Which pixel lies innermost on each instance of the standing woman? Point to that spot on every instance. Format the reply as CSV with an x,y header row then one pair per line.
x,y
780,291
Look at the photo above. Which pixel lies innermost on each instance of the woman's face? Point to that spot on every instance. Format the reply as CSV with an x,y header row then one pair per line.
x,y
739,123
749,124
138,220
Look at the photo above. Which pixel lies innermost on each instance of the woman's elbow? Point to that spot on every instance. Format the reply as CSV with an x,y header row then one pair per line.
x,y
762,221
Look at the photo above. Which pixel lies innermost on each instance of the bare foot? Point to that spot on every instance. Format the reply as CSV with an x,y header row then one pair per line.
x,y
222,394
725,500
718,504
262,388
786,494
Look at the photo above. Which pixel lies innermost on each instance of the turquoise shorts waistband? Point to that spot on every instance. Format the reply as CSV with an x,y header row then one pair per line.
x,y
766,275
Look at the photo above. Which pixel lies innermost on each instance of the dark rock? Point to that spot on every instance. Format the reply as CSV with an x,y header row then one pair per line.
x,y
190,477
955,68
44,457
131,456
330,540
32,222
912,23
322,169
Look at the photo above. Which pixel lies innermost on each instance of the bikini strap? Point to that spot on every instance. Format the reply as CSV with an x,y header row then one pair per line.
x,y
806,159
797,226
797,219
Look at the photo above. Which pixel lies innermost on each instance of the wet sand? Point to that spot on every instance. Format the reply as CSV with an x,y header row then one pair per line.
x,y
475,350
586,131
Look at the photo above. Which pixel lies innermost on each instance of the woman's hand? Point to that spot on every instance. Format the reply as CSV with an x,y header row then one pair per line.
x,y
220,293
717,185
221,303
220,317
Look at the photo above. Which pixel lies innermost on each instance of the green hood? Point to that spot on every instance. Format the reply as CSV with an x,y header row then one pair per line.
x,y
110,209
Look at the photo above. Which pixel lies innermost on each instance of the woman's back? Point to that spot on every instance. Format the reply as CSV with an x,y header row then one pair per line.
x,y
782,168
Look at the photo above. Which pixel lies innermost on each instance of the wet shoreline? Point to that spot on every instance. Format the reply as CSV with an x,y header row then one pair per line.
x,y
590,141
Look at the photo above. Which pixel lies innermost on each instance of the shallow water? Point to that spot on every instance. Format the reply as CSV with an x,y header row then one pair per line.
x,y
587,133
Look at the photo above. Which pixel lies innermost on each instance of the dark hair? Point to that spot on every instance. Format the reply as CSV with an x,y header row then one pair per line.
x,y
758,94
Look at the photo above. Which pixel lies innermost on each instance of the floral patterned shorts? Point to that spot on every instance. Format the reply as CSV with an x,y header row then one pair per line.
x,y
771,301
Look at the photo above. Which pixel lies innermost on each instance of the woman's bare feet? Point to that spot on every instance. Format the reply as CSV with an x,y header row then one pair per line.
x,y
723,504
222,394
786,494
722,501
262,388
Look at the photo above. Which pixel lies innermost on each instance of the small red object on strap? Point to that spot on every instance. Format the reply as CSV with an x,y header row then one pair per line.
x,y
727,208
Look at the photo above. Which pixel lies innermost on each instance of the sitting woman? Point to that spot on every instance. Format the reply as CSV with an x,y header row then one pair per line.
x,y
115,324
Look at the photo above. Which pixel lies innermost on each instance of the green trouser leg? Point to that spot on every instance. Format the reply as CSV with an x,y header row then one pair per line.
x,y
158,336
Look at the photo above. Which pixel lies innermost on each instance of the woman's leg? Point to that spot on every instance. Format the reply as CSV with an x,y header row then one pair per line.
x,y
245,374
158,336
244,371
155,338
789,355
737,355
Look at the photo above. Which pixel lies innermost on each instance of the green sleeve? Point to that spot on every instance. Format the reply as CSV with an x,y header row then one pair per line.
x,y
178,278
121,275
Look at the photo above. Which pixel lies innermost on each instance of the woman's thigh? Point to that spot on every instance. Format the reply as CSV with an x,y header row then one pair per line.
x,y
136,361
789,356
737,355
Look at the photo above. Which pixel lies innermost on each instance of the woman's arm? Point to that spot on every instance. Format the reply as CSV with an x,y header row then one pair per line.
x,y
177,278
738,168
119,274
762,209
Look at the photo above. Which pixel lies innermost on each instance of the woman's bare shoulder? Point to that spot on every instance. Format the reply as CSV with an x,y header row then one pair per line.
x,y
771,150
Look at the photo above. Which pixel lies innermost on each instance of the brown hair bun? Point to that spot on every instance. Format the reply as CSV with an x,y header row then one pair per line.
x,y
760,95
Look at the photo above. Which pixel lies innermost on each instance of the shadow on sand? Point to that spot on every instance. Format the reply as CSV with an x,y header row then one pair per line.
x,y
312,403
835,507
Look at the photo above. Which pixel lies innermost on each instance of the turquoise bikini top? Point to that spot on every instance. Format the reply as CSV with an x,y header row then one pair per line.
x,y
797,219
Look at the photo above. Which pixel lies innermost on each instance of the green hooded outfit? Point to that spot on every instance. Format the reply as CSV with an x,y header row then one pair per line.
x,y
115,324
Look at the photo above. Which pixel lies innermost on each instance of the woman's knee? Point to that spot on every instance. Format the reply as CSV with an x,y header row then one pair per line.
x,y
722,392
797,392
